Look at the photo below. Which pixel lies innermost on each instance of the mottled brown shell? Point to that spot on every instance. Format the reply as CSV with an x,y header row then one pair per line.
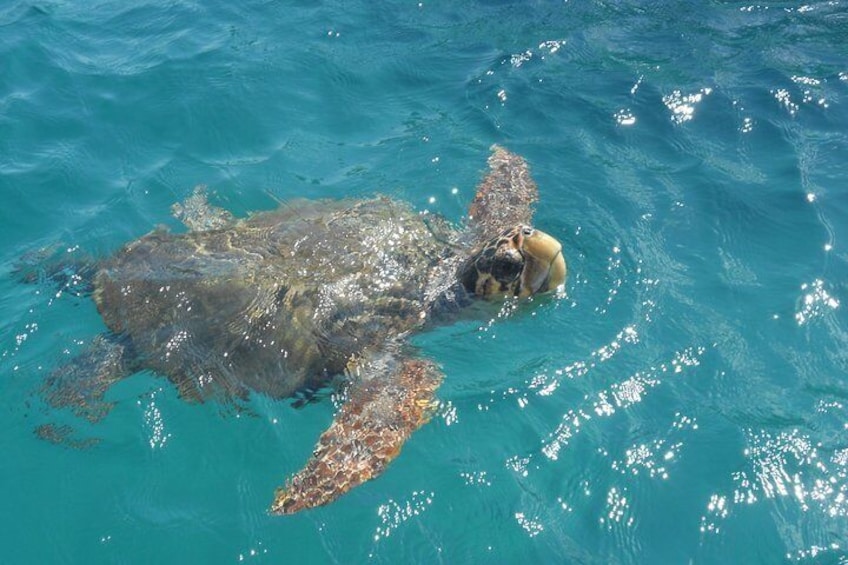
x,y
275,302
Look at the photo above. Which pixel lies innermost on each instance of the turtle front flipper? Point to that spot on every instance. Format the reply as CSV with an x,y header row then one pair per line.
x,y
392,399
505,196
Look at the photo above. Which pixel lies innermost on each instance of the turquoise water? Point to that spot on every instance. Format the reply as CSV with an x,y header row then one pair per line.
x,y
687,401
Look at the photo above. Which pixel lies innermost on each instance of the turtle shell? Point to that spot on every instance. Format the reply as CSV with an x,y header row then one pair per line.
x,y
275,302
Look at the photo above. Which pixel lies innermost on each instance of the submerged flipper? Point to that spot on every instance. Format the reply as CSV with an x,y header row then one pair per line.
x,y
81,384
391,399
64,269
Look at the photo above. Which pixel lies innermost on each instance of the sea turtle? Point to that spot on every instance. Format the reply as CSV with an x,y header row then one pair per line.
x,y
285,300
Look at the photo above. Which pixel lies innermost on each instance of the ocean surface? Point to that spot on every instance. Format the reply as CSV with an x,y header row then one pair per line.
x,y
685,401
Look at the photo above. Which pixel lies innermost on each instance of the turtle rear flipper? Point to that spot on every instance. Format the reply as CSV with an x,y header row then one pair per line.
x,y
81,384
197,214
65,270
392,400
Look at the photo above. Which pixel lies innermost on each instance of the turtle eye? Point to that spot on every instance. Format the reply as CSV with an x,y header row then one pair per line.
x,y
507,266
527,231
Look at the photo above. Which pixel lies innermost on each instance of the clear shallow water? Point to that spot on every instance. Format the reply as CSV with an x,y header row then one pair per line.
x,y
687,400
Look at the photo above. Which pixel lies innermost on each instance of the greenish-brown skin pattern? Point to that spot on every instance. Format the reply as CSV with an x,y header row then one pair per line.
x,y
278,301
285,300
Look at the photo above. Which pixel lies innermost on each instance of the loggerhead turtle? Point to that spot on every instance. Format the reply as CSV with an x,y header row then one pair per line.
x,y
285,300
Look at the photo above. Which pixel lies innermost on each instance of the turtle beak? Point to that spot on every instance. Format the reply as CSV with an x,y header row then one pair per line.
x,y
544,268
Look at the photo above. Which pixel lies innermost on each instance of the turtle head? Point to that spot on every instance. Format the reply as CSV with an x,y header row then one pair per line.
x,y
520,261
